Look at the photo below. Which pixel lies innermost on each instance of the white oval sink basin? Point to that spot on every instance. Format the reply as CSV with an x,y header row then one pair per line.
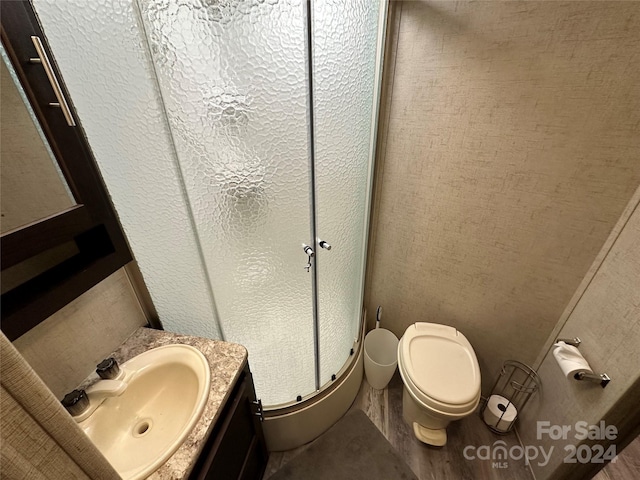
x,y
166,392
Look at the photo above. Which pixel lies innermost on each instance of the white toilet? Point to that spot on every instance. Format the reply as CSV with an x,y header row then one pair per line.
x,y
441,379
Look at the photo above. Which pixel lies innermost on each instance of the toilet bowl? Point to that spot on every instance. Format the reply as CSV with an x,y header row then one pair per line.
x,y
441,379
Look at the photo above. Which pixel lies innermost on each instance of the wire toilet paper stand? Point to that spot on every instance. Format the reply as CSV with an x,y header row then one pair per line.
x,y
514,387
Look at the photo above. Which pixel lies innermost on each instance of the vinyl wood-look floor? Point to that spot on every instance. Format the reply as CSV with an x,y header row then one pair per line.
x,y
626,465
384,408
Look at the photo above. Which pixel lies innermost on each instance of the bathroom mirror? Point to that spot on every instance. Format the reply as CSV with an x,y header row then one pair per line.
x,y
32,184
59,233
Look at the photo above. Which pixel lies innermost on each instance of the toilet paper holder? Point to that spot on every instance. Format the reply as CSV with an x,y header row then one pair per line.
x,y
515,385
575,342
603,379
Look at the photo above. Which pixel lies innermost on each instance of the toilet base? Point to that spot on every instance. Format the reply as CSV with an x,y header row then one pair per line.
x,y
429,429
437,438
414,412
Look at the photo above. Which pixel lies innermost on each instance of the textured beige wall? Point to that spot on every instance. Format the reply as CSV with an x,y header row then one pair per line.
x,y
511,149
27,451
67,346
607,320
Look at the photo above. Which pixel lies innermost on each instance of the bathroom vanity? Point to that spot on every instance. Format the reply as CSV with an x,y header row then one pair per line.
x,y
235,449
227,440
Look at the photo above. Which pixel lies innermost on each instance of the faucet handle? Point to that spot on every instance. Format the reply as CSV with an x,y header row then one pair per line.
x,y
76,402
108,369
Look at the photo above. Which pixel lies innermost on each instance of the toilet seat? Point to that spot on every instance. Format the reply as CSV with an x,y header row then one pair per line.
x,y
439,368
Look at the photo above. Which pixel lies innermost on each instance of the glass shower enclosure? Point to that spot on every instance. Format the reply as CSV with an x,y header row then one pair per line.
x,y
272,109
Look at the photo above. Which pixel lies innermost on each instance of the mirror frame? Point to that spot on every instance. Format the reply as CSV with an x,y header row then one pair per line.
x,y
92,223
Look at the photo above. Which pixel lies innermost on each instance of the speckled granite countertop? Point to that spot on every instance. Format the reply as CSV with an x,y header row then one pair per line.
x,y
226,361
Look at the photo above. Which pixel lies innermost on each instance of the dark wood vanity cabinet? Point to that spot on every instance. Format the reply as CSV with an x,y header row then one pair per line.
x,y
236,448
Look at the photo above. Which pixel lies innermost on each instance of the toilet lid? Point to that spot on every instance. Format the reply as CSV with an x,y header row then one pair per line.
x,y
441,364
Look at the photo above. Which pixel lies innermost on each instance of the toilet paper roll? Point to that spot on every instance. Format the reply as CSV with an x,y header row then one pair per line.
x,y
499,413
570,360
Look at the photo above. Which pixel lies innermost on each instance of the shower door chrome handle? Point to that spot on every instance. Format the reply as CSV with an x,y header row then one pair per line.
x,y
310,253
324,245
55,85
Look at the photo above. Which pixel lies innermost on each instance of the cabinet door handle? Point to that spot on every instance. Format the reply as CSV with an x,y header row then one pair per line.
x,y
258,412
57,90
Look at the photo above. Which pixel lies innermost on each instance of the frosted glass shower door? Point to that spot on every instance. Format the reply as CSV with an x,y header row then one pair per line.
x,y
233,76
345,92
